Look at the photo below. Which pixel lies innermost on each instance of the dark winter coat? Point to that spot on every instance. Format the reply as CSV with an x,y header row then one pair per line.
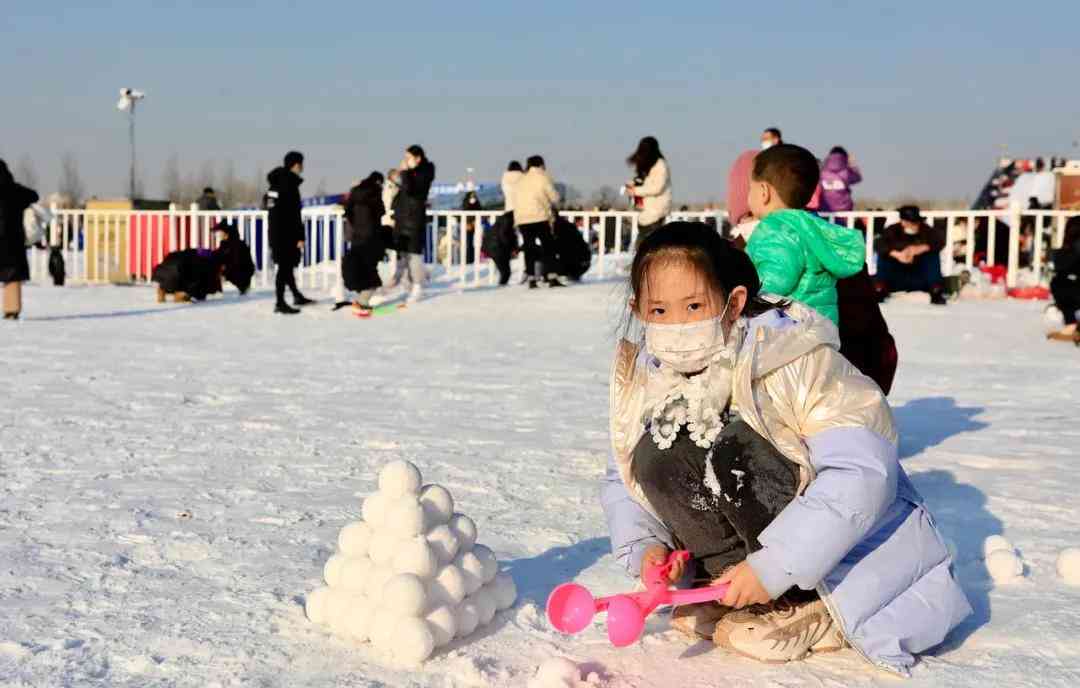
x,y
571,248
14,200
1067,262
286,223
410,207
208,202
234,257
896,239
501,240
363,211
192,271
865,340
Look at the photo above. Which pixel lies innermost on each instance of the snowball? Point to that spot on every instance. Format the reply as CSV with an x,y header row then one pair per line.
x,y
354,573
399,478
384,623
354,538
467,617
405,594
472,569
438,504
384,546
504,590
995,543
1004,565
332,570
315,605
444,542
556,672
1068,565
329,605
359,622
1053,319
560,668
347,604
485,606
405,517
448,586
416,557
376,580
413,641
374,510
488,561
465,529
443,624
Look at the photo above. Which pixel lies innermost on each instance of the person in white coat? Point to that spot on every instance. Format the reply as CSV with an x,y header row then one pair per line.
x,y
651,188
535,199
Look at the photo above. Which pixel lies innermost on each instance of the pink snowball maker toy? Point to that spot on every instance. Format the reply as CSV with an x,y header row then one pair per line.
x,y
571,608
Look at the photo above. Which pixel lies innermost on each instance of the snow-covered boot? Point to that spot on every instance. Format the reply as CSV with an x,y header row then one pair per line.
x,y
775,633
698,621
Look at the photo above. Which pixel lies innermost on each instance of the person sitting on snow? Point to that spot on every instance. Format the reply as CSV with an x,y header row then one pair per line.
x,y
233,257
739,433
909,257
1065,286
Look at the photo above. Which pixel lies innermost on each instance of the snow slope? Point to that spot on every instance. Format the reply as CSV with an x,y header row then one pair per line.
x,y
172,478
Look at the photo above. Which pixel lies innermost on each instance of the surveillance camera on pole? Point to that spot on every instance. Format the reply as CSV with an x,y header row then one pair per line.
x,y
129,97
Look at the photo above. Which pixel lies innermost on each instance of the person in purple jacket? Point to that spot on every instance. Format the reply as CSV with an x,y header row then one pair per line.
x,y
838,175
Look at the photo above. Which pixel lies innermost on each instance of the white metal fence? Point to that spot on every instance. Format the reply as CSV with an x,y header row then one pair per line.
x,y
102,246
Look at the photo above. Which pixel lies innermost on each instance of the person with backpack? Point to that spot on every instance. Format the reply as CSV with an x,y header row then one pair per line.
x,y
286,229
14,268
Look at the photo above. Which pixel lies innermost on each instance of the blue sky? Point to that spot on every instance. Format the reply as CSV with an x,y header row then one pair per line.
x,y
922,93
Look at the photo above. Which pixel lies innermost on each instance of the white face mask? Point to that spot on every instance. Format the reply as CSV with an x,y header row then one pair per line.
x,y
766,145
690,347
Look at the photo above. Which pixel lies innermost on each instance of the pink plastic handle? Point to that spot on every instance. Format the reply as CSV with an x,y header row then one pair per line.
x,y
697,595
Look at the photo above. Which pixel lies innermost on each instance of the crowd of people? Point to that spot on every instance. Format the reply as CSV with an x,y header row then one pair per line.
x,y
388,212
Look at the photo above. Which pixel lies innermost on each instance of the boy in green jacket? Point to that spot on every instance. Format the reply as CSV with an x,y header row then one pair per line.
x,y
798,254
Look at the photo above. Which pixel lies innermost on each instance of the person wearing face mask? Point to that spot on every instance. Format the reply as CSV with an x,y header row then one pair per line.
x,y
771,137
739,433
415,176
909,257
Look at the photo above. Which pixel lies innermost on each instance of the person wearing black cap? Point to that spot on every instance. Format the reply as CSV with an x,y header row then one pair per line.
x,y
286,229
909,257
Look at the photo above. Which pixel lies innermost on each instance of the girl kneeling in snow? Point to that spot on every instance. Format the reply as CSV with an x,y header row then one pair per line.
x,y
741,434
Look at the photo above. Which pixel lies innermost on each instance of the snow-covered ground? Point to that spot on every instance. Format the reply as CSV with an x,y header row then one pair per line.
x,y
172,478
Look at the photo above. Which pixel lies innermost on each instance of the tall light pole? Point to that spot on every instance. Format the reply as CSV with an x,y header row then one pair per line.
x,y
129,97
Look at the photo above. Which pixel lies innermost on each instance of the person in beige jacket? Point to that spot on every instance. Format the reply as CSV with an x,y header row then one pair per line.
x,y
535,200
741,434
651,188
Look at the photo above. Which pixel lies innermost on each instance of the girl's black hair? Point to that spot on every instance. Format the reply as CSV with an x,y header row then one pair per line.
x,y
714,258
514,166
839,149
646,155
416,151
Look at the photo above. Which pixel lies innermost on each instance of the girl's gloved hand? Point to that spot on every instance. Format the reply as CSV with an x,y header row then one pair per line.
x,y
657,555
745,588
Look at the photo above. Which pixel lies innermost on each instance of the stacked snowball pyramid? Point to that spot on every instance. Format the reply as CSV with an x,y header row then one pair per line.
x,y
409,577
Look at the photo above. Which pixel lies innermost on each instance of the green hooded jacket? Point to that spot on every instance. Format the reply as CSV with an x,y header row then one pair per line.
x,y
800,256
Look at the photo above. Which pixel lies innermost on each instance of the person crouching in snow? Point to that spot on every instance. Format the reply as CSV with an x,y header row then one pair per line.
x,y
233,257
740,433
